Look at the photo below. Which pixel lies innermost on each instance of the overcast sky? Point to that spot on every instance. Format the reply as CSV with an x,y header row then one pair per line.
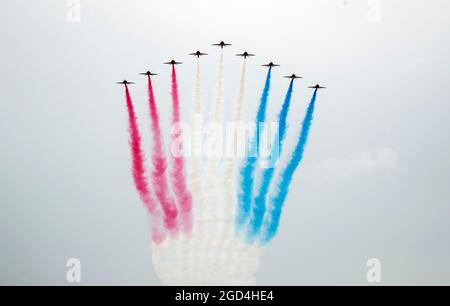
x,y
375,178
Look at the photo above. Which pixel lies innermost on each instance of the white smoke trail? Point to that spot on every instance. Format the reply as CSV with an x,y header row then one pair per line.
x,y
216,143
199,207
198,109
219,90
231,163
217,120
214,223
196,178
179,262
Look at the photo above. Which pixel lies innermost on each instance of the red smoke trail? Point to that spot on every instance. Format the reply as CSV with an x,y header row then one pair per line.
x,y
159,177
138,170
178,176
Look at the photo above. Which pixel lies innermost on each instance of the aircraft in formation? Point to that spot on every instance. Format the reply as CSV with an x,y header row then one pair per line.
x,y
270,65
222,44
245,54
125,82
293,76
317,87
198,54
173,63
148,73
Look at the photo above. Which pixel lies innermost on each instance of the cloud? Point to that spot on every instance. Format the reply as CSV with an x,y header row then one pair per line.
x,y
369,162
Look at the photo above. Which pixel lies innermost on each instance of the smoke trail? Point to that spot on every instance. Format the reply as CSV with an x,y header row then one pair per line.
x,y
217,119
178,175
272,221
230,175
228,243
196,141
159,177
196,166
198,101
214,177
240,100
245,194
219,93
138,170
259,206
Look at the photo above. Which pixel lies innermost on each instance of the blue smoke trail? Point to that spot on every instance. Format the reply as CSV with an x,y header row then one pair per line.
x,y
259,206
245,193
277,201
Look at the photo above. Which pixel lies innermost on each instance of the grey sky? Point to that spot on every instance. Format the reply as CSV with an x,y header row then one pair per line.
x,y
375,178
